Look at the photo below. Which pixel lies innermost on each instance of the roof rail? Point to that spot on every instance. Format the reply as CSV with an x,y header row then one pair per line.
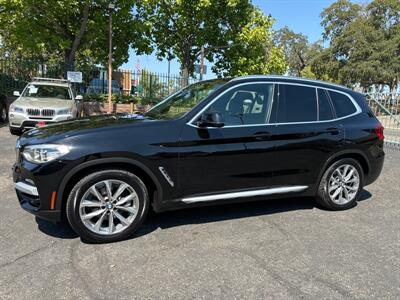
x,y
54,80
290,78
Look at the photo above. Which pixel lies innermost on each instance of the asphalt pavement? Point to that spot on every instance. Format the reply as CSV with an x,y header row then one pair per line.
x,y
273,249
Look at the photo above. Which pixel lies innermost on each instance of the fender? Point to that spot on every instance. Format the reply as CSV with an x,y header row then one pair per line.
x,y
100,161
340,153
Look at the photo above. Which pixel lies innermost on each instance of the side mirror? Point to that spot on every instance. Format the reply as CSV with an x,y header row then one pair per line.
x,y
79,98
211,119
16,94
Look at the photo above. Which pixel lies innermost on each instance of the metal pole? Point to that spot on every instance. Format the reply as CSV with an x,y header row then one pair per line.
x,y
201,62
111,7
169,72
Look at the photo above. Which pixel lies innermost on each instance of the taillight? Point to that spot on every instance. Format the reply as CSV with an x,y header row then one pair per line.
x,y
379,132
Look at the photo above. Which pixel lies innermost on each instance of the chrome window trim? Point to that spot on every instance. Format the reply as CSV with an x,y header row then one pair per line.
x,y
248,193
358,108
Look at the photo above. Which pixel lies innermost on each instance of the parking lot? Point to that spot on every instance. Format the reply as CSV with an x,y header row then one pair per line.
x,y
280,249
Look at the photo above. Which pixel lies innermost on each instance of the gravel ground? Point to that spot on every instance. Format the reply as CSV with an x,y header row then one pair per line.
x,y
286,249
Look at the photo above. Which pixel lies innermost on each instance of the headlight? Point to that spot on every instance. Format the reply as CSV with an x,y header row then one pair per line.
x,y
44,153
16,109
65,111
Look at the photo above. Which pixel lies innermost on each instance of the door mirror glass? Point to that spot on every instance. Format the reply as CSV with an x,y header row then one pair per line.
x,y
211,119
16,94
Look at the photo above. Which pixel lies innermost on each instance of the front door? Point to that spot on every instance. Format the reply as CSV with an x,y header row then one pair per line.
x,y
236,157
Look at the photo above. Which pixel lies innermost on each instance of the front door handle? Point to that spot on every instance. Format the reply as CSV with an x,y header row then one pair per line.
x,y
260,136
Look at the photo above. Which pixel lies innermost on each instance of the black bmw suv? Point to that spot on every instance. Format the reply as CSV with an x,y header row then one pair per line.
x,y
214,142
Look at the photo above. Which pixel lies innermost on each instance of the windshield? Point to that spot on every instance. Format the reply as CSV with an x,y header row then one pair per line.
x,y
180,103
47,91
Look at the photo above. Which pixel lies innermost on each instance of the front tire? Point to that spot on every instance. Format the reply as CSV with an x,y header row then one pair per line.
x,y
107,206
341,185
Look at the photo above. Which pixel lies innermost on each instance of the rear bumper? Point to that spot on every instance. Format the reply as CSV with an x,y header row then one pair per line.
x,y
375,168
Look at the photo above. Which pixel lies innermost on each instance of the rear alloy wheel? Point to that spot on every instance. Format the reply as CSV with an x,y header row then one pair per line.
x,y
107,206
341,185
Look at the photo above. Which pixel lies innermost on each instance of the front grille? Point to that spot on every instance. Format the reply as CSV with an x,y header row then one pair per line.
x,y
33,111
48,112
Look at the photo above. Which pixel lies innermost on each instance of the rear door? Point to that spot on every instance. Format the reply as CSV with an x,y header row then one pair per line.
x,y
307,133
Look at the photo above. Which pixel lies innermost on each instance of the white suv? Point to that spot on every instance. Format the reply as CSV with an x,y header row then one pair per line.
x,y
43,101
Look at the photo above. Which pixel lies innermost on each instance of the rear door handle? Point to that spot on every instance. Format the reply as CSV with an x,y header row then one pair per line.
x,y
333,131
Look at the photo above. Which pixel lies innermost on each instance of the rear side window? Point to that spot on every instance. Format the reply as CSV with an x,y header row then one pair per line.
x,y
324,107
342,104
296,104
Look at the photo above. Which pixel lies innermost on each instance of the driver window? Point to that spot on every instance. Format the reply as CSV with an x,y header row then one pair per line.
x,y
245,105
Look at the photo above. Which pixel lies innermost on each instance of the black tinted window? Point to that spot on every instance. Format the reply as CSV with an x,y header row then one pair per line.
x,y
325,109
342,104
246,104
297,104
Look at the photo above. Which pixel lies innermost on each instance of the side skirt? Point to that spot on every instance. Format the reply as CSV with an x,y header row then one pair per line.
x,y
245,194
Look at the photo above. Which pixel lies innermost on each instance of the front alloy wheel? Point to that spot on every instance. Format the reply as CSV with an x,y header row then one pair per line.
x,y
107,206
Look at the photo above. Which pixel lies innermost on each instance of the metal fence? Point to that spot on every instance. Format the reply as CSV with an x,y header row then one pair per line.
x,y
386,106
14,75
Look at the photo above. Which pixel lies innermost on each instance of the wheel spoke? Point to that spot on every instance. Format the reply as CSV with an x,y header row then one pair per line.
x,y
107,184
346,193
352,188
96,193
121,188
337,192
90,203
99,222
346,168
128,209
349,175
333,187
125,199
110,222
121,218
93,214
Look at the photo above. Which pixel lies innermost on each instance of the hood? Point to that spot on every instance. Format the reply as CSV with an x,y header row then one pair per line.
x,y
40,103
80,126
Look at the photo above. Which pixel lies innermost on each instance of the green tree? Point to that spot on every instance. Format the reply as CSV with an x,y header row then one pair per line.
x,y
252,50
296,49
364,42
181,28
71,30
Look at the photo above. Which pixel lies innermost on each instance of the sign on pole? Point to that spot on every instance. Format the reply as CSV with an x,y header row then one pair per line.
x,y
74,76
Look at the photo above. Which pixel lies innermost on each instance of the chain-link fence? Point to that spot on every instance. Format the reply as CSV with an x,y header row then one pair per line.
x,y
386,106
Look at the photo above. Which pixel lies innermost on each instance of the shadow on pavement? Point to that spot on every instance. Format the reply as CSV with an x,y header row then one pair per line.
x,y
201,215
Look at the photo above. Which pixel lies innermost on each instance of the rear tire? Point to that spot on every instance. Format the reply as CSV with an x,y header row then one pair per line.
x,y
341,185
15,131
107,217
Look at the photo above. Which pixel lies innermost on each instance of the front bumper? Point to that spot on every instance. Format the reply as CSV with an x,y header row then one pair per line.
x,y
22,121
33,200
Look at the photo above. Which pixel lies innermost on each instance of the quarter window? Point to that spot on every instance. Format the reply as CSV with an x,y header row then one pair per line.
x,y
342,104
296,104
325,108
245,105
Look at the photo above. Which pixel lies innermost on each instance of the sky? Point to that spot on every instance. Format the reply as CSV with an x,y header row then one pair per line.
x,y
301,16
